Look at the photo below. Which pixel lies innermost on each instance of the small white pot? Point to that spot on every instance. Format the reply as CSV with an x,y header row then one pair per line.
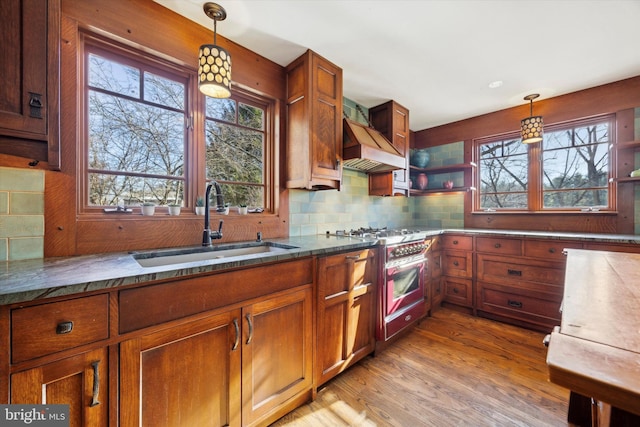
x,y
200,210
242,210
174,210
225,211
148,210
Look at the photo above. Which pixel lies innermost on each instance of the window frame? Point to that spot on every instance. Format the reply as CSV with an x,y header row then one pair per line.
x,y
195,127
535,181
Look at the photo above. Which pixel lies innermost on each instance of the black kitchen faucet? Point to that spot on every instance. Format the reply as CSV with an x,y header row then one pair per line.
x,y
207,234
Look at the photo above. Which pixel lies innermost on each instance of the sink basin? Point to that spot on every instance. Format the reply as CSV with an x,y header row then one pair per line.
x,y
229,252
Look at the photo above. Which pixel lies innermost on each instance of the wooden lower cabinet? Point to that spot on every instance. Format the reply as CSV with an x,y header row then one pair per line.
x,y
277,356
523,290
234,368
346,311
80,381
184,375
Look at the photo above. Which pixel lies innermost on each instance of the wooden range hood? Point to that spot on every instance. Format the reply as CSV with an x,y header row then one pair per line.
x,y
366,149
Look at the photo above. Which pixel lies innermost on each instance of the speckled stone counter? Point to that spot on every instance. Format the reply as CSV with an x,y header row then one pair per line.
x,y
50,277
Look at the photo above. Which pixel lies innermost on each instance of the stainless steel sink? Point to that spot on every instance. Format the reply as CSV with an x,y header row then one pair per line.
x,y
228,252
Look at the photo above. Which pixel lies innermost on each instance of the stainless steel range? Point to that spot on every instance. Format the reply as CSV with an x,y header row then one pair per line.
x,y
401,290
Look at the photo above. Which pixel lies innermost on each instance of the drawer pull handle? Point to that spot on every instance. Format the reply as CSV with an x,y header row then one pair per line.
x,y
353,257
455,290
515,304
236,326
96,384
497,245
552,250
456,263
64,328
514,272
250,323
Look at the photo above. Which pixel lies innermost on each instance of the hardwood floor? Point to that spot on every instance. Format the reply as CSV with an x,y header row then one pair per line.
x,y
451,370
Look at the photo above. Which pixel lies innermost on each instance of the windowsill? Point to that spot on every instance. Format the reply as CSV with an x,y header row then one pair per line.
x,y
556,212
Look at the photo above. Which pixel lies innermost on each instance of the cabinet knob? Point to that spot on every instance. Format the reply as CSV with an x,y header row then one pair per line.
x,y
64,328
552,250
455,242
456,263
497,245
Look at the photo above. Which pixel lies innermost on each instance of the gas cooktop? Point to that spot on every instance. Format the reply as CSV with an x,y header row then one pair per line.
x,y
383,235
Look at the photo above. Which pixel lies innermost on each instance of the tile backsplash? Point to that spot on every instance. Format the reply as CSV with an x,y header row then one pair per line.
x,y
21,214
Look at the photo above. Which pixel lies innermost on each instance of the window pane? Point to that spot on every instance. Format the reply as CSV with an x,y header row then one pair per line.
x,y
164,91
233,153
576,159
235,150
236,195
251,117
503,175
108,190
577,199
114,77
129,136
221,109
500,200
135,147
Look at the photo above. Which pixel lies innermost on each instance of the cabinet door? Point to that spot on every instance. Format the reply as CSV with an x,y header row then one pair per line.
x,y
346,311
186,375
29,72
80,381
326,111
276,354
314,123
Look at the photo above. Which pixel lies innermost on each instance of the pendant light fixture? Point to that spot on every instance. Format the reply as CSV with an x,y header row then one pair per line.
x,y
214,63
531,127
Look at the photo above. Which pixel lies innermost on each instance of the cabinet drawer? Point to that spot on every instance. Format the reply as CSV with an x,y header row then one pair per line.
x,y
497,245
458,264
463,243
434,264
48,328
435,244
458,291
499,269
549,249
530,306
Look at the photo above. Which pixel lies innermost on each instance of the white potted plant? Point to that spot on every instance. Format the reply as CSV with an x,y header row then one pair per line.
x,y
242,209
200,205
174,209
148,208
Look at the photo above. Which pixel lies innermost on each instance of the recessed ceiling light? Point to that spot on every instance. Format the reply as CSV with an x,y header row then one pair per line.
x,y
495,84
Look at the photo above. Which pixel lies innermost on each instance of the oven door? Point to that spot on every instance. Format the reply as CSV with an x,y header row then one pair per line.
x,y
404,285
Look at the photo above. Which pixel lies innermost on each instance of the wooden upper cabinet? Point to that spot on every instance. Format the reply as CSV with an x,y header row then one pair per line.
x,y
392,120
29,70
314,123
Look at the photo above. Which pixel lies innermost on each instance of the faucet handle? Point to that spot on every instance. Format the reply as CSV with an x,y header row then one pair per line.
x,y
259,237
217,234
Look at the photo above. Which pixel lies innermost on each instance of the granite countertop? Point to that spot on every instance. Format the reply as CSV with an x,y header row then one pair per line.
x,y
51,277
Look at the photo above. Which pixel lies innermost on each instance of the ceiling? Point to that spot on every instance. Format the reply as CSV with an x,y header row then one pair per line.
x,y
438,57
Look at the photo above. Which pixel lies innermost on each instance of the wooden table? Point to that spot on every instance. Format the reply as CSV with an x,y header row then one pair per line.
x,y
596,350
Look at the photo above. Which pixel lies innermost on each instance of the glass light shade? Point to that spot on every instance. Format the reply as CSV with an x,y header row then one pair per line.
x,y
531,129
214,71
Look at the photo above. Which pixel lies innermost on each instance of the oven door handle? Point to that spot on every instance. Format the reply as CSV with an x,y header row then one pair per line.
x,y
409,264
